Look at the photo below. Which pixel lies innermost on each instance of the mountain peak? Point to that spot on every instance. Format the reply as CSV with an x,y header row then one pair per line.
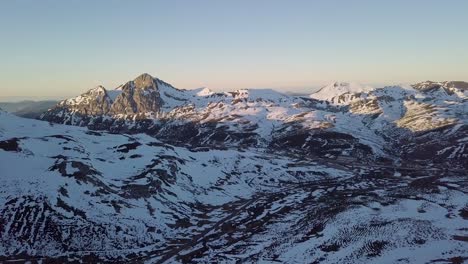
x,y
144,76
144,81
203,91
338,88
98,89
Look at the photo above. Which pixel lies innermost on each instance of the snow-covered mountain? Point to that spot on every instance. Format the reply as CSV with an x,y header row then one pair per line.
x,y
341,119
340,92
73,194
148,173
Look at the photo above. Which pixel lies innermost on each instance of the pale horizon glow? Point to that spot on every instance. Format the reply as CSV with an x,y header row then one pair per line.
x,y
57,49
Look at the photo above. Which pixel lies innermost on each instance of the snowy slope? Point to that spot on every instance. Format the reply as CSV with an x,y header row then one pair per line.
x,y
337,91
119,182
69,193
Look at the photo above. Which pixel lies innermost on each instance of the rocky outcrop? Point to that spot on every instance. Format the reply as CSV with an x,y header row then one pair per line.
x,y
138,96
93,102
135,97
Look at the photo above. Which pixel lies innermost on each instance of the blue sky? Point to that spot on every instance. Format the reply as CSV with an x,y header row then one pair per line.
x,y
62,48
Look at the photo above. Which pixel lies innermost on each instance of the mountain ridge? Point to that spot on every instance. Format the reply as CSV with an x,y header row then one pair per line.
x,y
70,194
372,122
179,176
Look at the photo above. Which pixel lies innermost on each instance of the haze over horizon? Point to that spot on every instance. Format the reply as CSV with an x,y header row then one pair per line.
x,y
56,49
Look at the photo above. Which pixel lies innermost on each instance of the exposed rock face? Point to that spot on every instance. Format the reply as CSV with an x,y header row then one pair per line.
x,y
138,96
93,102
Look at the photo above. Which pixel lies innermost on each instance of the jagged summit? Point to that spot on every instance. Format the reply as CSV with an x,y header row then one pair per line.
x,y
97,92
144,81
97,89
140,95
144,76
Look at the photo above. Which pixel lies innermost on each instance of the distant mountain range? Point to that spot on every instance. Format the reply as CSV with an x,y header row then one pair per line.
x,y
28,109
148,173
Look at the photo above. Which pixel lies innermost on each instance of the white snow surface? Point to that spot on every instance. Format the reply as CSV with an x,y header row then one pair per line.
x,y
116,195
335,89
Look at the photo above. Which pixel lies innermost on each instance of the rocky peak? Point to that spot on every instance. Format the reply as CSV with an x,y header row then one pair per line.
x,y
93,102
138,96
145,81
96,93
98,90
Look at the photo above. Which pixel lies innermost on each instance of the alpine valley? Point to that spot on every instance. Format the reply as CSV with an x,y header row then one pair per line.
x,y
148,173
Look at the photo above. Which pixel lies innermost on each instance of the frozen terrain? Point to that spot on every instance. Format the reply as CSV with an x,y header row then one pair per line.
x,y
153,174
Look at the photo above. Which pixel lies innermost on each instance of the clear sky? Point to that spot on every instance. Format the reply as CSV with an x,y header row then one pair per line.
x,y
62,48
